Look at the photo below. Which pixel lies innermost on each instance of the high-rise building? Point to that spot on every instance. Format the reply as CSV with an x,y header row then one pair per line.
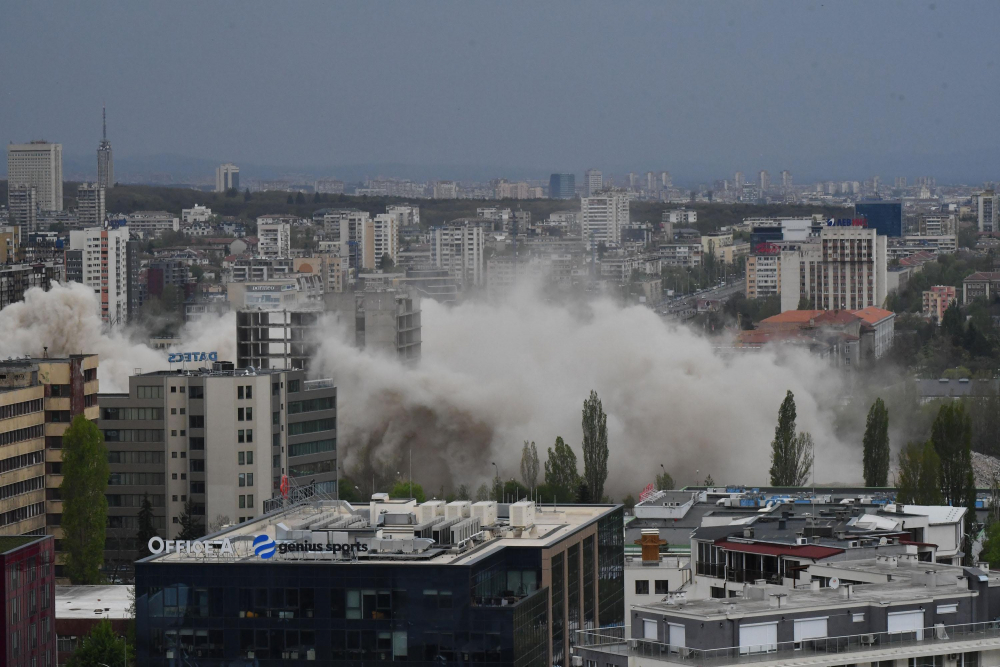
x,y
786,180
383,321
104,258
105,160
446,190
276,339
217,439
763,181
227,177
853,269
884,216
408,216
90,204
385,238
274,240
603,217
354,230
593,182
562,186
652,184
461,250
38,400
738,181
666,181
22,203
38,164
987,205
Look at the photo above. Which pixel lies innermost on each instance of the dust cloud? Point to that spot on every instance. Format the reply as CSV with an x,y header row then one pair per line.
x,y
65,320
492,376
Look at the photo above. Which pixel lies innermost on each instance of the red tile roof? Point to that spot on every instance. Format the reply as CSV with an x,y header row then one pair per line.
x,y
873,315
814,551
792,317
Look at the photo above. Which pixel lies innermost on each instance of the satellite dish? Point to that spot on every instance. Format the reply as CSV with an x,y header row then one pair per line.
x,y
882,541
834,583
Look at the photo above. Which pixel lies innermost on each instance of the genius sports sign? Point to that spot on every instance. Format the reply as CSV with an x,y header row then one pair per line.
x,y
178,357
264,547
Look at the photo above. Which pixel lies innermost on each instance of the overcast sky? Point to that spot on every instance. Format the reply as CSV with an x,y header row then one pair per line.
x,y
827,89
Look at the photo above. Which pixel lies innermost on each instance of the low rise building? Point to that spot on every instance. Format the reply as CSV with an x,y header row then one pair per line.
x,y
152,224
196,214
982,284
937,300
28,590
500,584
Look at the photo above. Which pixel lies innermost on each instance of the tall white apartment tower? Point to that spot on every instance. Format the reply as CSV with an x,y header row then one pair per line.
x,y
22,203
274,240
38,164
90,204
852,269
227,177
593,181
461,250
763,181
986,210
603,217
104,255
386,228
105,160
786,180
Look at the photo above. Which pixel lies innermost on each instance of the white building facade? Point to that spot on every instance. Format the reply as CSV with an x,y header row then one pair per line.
x,y
38,164
105,268
603,217
274,240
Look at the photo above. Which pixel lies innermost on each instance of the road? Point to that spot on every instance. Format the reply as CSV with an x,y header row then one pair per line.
x,y
686,306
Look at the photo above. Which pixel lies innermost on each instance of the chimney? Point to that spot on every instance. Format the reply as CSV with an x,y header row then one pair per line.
x,y
650,542
814,586
782,524
846,591
748,532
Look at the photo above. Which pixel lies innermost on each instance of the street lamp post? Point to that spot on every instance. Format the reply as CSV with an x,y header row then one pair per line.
x,y
497,479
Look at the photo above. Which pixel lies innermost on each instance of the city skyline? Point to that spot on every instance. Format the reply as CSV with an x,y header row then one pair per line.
x,y
852,100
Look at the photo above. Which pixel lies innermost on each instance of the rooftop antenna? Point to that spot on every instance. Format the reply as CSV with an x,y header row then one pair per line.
x,y
104,120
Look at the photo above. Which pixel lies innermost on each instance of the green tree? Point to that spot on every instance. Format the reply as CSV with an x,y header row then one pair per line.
x,y
401,489
146,530
951,322
664,482
876,445
951,435
583,496
246,195
191,526
300,198
629,503
462,493
483,492
791,454
595,446
560,472
711,482
991,546
385,262
529,465
85,507
919,481
290,200
102,646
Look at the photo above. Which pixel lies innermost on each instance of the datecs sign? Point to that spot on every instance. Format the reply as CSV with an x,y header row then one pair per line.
x,y
178,357
847,222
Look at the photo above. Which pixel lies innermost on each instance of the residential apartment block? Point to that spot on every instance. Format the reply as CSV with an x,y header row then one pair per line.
x,y
603,217
460,249
90,205
219,438
105,268
274,240
38,165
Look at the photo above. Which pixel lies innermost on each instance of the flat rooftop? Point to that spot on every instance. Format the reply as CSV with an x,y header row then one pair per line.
x,y
93,601
12,542
551,524
910,583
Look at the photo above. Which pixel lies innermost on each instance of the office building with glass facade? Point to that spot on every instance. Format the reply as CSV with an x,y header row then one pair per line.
x,y
884,216
325,583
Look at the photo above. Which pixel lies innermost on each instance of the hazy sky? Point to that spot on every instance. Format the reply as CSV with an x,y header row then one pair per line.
x,y
827,89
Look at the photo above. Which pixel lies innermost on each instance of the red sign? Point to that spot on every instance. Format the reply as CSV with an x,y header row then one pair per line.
x,y
284,486
766,249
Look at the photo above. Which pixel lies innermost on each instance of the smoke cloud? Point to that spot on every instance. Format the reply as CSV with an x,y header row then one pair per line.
x,y
65,320
492,376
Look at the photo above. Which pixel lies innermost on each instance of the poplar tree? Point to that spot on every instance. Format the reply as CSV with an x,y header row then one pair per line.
x,y
529,465
595,446
560,472
791,453
85,507
876,445
951,435
146,528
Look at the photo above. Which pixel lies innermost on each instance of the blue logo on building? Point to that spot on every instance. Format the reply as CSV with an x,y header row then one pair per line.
x,y
263,546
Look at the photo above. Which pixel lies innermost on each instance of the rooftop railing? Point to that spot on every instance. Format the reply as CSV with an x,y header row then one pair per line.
x,y
612,640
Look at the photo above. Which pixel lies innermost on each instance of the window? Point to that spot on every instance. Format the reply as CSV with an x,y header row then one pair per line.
x,y
243,479
149,392
250,501
173,455
249,435
197,465
240,458
239,393
858,618
293,386
196,421
173,433
314,447
239,414
311,405
249,414
243,502
249,392
183,411
301,428
275,418
947,608
661,586
197,392
197,443
250,458
249,479
182,390
642,587
173,411
173,390
240,436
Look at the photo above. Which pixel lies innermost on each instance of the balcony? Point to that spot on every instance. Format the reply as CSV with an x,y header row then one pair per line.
x,y
873,646
737,575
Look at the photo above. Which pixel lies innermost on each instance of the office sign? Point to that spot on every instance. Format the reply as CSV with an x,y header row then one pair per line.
x,y
178,357
847,222
158,545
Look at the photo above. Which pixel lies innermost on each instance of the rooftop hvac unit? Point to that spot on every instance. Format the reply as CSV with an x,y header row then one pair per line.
x,y
464,530
459,509
802,540
485,511
429,510
522,514
441,533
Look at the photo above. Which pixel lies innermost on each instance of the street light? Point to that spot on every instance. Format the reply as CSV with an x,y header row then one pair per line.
x,y
497,478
